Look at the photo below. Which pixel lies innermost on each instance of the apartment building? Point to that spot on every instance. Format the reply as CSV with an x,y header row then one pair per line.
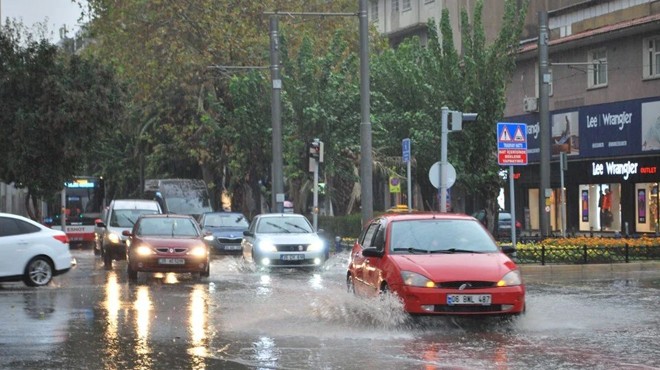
x,y
604,103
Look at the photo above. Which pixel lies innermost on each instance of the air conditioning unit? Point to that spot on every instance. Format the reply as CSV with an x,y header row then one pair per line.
x,y
530,104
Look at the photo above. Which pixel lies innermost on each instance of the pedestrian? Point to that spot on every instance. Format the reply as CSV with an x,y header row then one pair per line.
x,y
607,209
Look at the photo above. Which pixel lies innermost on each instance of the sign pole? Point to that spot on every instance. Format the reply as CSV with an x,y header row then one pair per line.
x,y
443,161
512,200
405,146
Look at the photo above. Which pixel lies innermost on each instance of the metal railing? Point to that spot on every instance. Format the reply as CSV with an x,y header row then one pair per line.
x,y
586,255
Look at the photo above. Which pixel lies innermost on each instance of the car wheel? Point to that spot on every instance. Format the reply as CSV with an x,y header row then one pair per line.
x,y
384,290
350,286
38,272
107,260
97,250
206,272
132,274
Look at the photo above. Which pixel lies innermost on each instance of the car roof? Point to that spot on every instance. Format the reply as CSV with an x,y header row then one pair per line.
x,y
168,215
426,216
133,203
223,213
274,215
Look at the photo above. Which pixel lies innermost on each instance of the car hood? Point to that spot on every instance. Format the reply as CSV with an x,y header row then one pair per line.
x,y
290,238
158,242
457,266
232,232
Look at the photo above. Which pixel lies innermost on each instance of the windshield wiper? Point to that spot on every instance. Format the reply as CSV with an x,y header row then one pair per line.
x,y
297,226
410,250
455,250
279,227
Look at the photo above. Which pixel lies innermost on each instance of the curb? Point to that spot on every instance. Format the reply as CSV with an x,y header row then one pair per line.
x,y
553,272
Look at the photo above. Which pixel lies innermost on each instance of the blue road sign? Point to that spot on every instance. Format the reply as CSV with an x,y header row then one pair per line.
x,y
405,145
512,143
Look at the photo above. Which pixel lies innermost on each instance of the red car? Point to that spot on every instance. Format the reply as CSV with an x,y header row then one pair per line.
x,y
438,264
166,243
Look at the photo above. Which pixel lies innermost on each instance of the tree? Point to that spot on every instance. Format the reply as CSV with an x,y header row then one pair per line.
x,y
55,109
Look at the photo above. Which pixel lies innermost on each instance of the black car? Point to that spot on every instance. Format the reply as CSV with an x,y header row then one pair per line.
x,y
503,223
226,229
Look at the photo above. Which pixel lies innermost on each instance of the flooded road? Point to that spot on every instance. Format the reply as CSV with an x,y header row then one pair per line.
x,y
240,318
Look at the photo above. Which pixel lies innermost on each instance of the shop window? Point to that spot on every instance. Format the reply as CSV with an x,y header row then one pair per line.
x,y
647,207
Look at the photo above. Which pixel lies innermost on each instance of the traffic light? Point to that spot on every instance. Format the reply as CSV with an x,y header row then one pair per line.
x,y
316,150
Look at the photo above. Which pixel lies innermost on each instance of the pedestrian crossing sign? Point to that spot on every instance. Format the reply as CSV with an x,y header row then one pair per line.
x,y
512,143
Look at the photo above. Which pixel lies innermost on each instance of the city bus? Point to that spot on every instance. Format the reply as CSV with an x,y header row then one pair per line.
x,y
81,203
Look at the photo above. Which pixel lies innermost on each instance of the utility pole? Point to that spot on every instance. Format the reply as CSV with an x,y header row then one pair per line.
x,y
276,116
545,191
366,172
366,164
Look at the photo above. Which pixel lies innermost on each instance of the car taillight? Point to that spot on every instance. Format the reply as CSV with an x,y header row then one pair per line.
x,y
63,238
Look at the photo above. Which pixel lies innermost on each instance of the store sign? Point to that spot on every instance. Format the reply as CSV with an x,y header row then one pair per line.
x,y
614,169
615,129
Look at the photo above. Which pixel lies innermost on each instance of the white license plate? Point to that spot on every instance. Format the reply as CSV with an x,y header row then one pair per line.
x,y
481,299
76,239
293,257
171,261
232,247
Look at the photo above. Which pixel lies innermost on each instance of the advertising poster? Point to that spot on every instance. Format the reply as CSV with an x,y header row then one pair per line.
x,y
641,206
585,205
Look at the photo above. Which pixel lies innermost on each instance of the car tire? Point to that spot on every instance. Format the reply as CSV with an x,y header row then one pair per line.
x,y
38,272
107,260
206,272
132,274
97,251
350,285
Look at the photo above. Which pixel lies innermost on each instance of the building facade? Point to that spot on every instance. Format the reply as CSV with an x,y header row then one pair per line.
x,y
604,104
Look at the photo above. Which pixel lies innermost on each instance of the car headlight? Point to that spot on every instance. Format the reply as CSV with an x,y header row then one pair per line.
x,y
143,250
114,238
267,246
209,238
414,279
316,246
512,278
199,251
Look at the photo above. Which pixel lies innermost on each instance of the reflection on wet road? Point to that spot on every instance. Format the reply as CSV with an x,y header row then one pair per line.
x,y
285,319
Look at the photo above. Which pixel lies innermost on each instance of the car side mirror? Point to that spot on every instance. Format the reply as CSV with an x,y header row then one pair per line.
x,y
508,249
127,233
247,233
372,252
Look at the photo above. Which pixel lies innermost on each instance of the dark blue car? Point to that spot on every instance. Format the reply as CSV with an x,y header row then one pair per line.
x,y
226,229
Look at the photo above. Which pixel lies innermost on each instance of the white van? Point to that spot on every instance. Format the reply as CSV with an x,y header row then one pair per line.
x,y
120,215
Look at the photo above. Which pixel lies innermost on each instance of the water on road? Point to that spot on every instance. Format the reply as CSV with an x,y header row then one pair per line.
x,y
245,318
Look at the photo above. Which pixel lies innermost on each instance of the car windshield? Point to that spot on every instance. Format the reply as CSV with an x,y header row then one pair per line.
x,y
279,225
440,236
128,217
230,220
167,227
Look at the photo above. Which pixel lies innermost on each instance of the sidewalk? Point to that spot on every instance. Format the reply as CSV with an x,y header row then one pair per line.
x,y
541,273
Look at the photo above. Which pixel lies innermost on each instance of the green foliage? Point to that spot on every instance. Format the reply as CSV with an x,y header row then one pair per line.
x,y
55,109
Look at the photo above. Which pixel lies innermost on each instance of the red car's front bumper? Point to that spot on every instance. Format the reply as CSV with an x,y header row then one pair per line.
x,y
158,263
433,301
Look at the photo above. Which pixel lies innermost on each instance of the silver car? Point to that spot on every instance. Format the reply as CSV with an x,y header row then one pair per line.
x,y
283,240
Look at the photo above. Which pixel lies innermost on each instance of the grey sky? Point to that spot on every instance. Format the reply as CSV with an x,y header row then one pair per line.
x,y
55,12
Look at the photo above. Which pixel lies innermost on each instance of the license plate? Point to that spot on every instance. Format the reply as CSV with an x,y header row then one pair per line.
x,y
76,239
232,247
171,261
481,299
292,257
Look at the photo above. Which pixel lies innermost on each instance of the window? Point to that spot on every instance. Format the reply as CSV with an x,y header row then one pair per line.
x,y
374,11
395,6
405,5
651,58
597,72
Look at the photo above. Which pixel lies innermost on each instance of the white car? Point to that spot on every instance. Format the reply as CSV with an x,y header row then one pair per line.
x,y
283,240
31,252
